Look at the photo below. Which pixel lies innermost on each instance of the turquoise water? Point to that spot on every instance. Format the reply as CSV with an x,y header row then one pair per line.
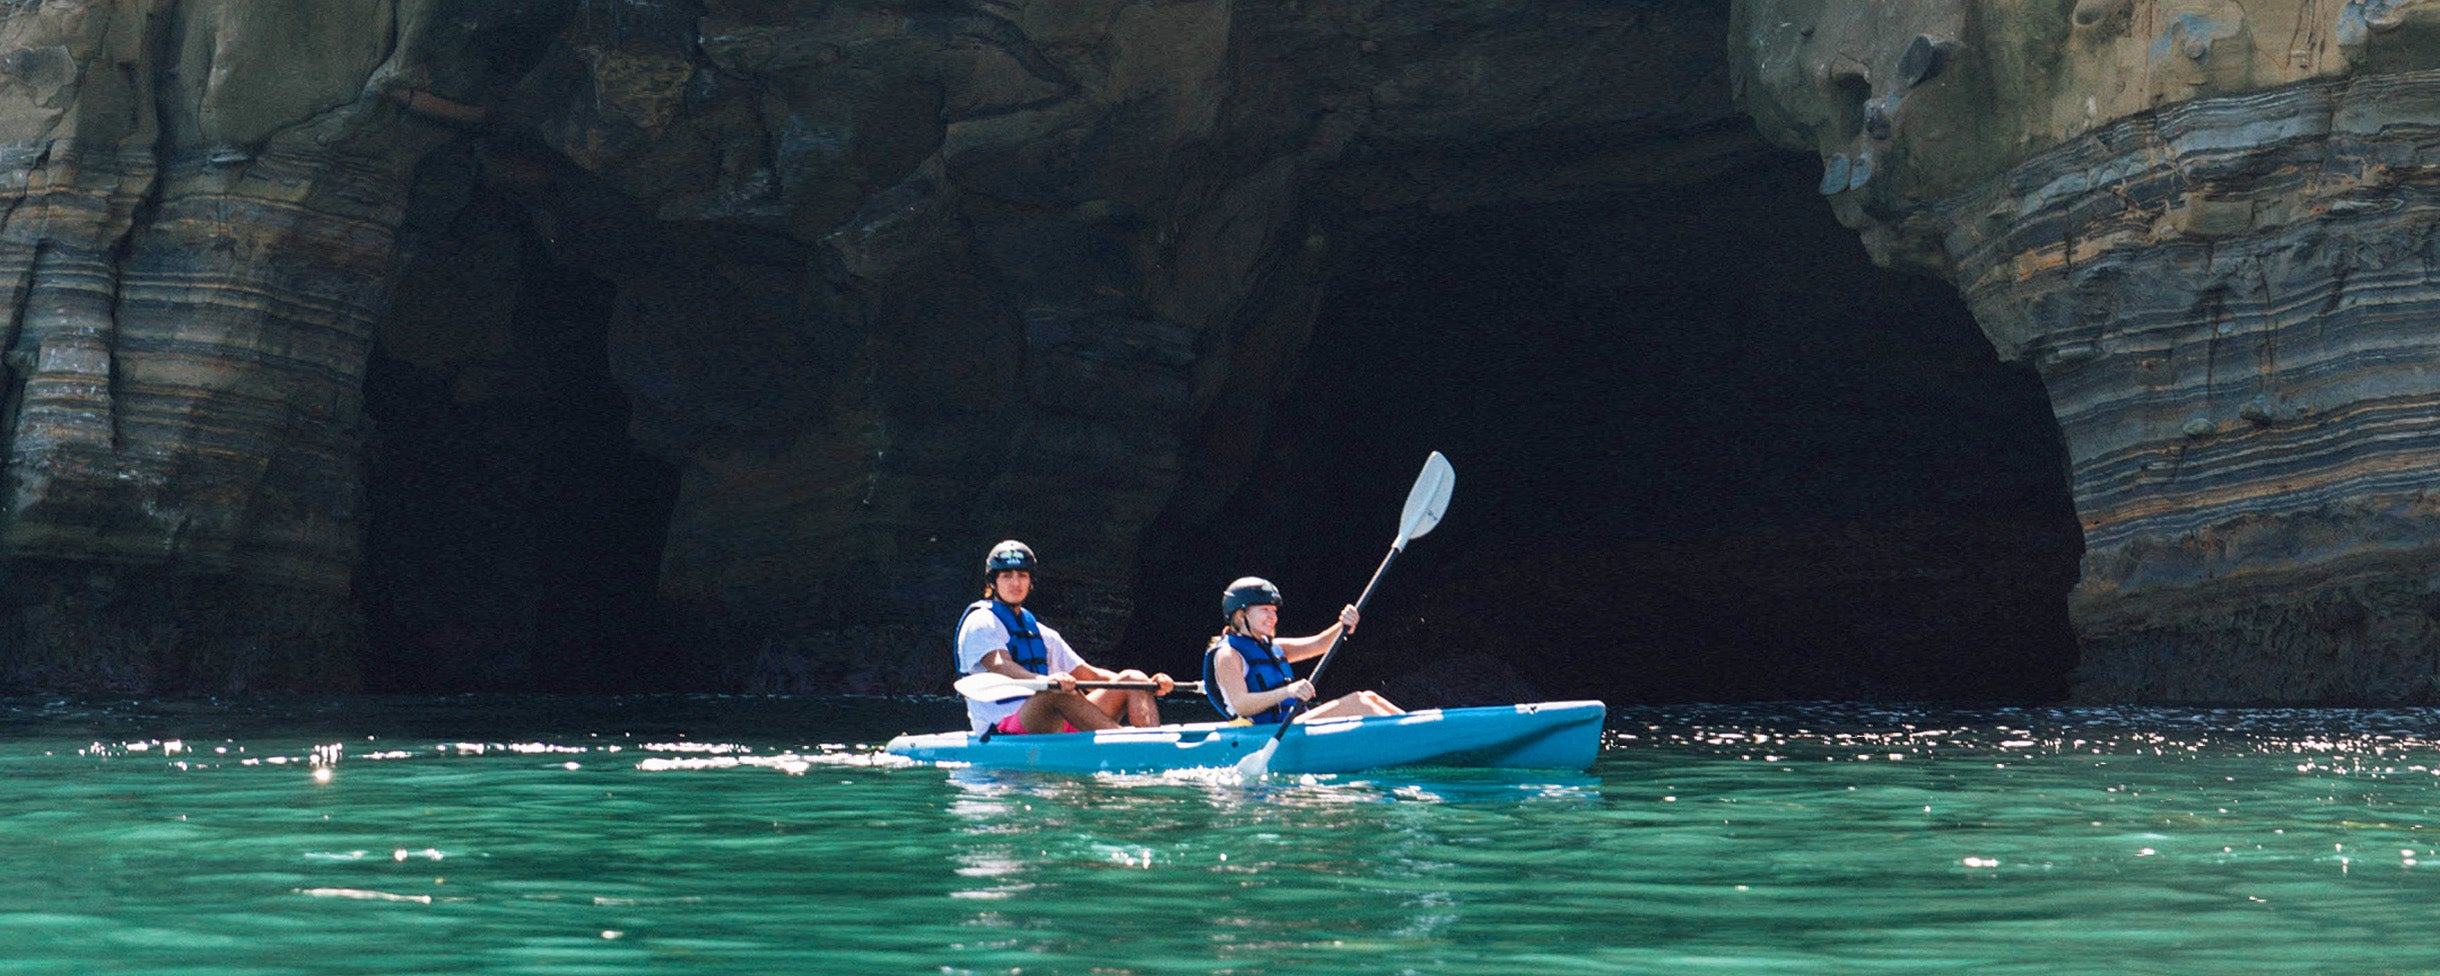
x,y
707,835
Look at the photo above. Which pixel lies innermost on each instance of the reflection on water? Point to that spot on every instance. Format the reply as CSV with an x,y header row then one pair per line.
x,y
726,835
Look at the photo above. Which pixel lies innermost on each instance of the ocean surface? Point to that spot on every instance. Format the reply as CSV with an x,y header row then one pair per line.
x,y
764,836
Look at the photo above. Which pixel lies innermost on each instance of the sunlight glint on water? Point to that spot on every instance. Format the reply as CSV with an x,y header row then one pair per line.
x,y
760,836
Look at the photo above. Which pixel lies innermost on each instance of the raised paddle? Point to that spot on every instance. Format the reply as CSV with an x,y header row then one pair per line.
x,y
992,687
1425,503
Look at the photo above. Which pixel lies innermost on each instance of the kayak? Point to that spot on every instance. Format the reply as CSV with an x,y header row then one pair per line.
x,y
1542,735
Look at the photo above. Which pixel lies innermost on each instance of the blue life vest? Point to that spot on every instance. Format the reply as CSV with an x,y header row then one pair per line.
x,y
1025,644
1265,669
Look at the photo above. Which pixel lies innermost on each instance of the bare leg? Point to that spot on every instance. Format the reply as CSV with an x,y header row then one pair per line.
x,y
1360,703
1130,707
1136,708
1044,713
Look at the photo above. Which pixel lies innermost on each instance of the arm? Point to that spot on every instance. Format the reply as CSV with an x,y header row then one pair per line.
x,y
1087,672
984,631
1095,672
1229,670
1303,648
1064,658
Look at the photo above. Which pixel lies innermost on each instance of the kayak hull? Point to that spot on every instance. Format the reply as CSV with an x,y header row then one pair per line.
x,y
1541,735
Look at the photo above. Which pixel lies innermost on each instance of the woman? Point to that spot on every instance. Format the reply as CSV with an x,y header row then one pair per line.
x,y
1246,671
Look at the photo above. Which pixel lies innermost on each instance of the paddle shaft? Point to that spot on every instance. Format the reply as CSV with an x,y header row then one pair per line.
x,y
1189,687
1361,598
1316,676
1040,685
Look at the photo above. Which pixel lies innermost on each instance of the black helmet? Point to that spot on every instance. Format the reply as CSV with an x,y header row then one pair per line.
x,y
1007,556
1249,591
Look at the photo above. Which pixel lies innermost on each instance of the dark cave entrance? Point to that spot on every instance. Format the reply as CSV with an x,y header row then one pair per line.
x,y
514,532
1705,451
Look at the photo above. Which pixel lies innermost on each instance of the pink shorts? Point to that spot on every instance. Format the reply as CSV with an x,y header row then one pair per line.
x,y
1010,726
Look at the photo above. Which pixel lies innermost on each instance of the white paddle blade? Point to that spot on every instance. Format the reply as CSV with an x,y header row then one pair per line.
x,y
1002,688
997,687
1428,500
1257,764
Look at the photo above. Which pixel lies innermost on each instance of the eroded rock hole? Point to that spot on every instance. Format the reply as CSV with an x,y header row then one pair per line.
x,y
514,533
1705,451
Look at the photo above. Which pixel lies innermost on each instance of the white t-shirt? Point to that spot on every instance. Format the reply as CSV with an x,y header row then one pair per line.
x,y
982,633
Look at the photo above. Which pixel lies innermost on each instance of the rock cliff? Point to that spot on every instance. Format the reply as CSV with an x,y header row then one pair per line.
x,y
881,281
428,343
201,207
2209,225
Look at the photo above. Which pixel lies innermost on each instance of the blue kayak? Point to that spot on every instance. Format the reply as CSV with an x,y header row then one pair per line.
x,y
1545,735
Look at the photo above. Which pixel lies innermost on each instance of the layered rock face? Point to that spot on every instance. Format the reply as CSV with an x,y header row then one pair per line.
x,y
200,199
884,282
2210,225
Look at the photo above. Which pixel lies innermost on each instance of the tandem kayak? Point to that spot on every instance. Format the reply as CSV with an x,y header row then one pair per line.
x,y
1543,735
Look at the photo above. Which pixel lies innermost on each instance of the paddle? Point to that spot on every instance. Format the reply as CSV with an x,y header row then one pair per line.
x,y
1425,503
993,687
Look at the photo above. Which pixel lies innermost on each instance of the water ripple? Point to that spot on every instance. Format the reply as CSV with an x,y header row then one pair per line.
x,y
725,835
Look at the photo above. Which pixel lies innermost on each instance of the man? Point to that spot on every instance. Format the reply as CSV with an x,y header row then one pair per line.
x,y
997,634
1246,673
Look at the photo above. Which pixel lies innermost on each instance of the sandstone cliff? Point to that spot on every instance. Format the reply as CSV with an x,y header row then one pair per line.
x,y
884,281
201,201
858,288
2208,224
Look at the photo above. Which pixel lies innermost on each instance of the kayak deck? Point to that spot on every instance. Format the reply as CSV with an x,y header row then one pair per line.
x,y
1541,735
